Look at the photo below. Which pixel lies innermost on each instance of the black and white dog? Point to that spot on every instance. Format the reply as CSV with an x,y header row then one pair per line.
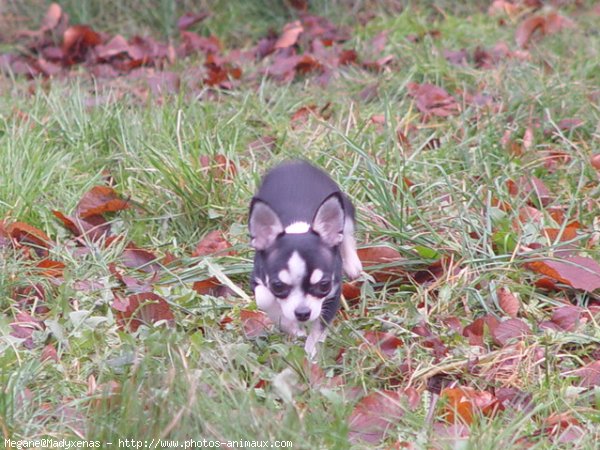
x,y
301,226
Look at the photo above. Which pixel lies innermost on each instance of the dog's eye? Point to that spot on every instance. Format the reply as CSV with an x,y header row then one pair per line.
x,y
322,287
279,289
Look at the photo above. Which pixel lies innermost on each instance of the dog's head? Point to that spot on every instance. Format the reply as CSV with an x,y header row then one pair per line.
x,y
302,263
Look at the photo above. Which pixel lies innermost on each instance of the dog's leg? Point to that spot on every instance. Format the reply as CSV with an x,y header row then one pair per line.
x,y
318,334
351,262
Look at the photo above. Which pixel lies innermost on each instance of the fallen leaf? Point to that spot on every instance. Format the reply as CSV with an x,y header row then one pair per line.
x,y
475,331
567,318
24,326
577,271
214,243
190,19
595,160
100,200
142,309
51,18
463,403
254,323
289,35
432,100
50,268
22,232
373,257
77,39
510,330
373,415
589,375
386,343
140,259
508,302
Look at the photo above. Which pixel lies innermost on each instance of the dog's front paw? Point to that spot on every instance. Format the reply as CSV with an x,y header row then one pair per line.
x,y
352,265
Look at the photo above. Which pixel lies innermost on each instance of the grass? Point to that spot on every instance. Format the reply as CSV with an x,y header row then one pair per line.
x,y
203,378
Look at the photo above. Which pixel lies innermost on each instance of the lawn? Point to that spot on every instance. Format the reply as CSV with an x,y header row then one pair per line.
x,y
467,135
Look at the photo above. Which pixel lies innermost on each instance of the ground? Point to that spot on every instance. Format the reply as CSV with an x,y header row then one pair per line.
x,y
468,138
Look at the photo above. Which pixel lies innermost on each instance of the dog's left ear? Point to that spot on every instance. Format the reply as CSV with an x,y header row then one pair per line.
x,y
329,220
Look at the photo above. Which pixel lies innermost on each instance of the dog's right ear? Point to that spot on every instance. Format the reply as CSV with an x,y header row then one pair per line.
x,y
264,225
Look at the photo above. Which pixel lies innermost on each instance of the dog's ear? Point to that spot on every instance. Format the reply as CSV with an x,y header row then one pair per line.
x,y
329,220
264,225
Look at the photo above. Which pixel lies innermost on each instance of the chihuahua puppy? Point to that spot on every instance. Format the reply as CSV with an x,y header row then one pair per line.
x,y
301,226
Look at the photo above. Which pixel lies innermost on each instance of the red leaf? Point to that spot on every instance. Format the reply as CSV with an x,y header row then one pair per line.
x,y
432,100
568,317
140,259
290,34
595,160
51,268
214,243
140,309
548,24
189,19
577,271
218,166
387,343
255,323
508,302
464,402
475,331
52,17
590,374
211,286
509,330
23,232
116,46
375,256
24,326
94,227
77,39
49,354
373,415
100,200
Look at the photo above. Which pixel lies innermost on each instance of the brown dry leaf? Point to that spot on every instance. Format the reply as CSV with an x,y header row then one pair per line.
x,y
214,243
116,46
589,374
254,323
462,403
49,353
548,24
140,259
475,331
373,415
142,309
213,287
381,255
51,18
508,302
24,326
100,200
510,330
77,39
433,100
289,35
51,268
190,19
567,318
218,167
577,271
386,343
22,232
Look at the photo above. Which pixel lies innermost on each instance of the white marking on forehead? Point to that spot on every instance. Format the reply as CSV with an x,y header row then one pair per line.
x,y
316,276
285,276
297,268
297,228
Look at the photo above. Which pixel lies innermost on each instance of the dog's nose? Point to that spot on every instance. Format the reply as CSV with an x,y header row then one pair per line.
x,y
302,313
